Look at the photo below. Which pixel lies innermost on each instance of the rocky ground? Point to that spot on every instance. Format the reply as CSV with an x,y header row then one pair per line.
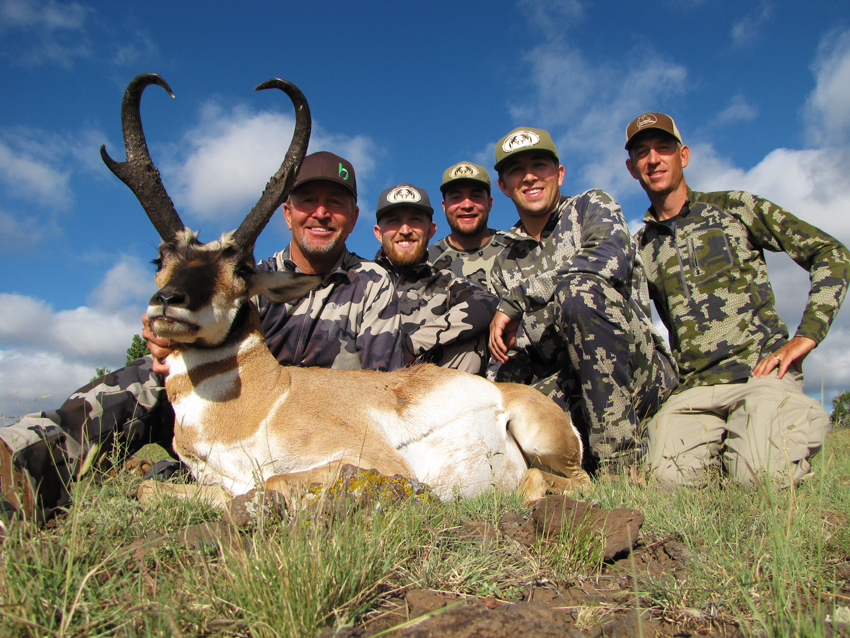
x,y
611,603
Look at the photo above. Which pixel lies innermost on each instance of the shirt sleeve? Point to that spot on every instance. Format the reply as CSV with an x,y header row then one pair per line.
x,y
825,258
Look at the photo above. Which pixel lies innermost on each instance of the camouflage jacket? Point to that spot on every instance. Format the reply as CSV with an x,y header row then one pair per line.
x,y
350,322
708,279
585,235
476,265
439,309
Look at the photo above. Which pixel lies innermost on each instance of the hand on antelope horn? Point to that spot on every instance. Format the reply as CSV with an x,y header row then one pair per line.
x,y
160,348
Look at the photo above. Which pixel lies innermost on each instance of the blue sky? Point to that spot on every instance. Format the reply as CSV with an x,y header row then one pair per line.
x,y
760,91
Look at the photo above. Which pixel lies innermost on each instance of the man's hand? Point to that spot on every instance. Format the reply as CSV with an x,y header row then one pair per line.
x,y
792,352
502,335
160,348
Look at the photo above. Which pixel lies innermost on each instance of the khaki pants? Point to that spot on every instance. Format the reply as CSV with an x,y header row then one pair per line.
x,y
766,426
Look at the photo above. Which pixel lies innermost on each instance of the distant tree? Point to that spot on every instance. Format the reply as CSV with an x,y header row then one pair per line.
x,y
138,349
841,411
99,372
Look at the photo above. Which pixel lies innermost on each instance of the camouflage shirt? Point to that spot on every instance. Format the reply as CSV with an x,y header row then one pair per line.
x,y
439,309
586,234
350,322
476,264
708,278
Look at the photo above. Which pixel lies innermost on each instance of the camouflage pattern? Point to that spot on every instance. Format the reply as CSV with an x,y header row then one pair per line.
x,y
351,322
585,338
445,318
475,265
708,278
126,408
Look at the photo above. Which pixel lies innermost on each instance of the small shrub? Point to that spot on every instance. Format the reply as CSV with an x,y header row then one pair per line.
x,y
841,411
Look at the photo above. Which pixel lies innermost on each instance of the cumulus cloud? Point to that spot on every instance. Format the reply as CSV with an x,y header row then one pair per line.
x,y
827,110
32,177
232,154
45,31
48,352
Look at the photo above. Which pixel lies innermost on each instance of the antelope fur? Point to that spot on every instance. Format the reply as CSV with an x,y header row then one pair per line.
x,y
243,420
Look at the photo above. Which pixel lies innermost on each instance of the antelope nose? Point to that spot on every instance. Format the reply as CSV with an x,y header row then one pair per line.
x,y
170,298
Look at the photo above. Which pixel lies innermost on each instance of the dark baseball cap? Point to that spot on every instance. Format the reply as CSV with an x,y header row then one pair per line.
x,y
521,140
649,121
406,195
327,167
464,171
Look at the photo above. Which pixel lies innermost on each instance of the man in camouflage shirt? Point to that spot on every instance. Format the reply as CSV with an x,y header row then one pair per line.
x,y
445,317
471,248
573,319
351,321
740,401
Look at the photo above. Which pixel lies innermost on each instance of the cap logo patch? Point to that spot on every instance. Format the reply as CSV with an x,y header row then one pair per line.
x,y
520,139
463,170
647,119
343,172
403,194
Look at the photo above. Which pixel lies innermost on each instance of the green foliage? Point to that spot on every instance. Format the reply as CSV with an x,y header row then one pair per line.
x,y
138,349
99,372
841,411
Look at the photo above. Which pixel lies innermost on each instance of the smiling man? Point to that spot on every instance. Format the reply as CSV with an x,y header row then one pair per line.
x,y
573,318
445,317
471,248
740,403
351,321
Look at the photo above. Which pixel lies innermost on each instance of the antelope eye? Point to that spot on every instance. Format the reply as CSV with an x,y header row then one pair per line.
x,y
245,272
158,263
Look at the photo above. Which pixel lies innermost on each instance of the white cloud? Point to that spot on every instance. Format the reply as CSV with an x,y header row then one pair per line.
x,y
232,154
130,281
47,30
45,352
33,178
745,31
739,110
827,110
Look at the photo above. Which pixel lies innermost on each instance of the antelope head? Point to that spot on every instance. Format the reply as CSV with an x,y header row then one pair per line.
x,y
205,289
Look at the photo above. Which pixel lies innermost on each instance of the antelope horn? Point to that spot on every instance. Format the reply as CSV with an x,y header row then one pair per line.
x,y
139,172
277,190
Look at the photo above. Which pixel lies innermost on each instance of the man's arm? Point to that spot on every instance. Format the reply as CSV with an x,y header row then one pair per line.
x,y
379,339
825,258
455,310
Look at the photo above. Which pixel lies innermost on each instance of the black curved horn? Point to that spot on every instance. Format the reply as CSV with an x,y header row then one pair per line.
x,y
139,172
277,190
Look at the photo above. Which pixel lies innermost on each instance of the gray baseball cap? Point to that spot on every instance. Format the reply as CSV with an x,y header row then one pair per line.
x,y
406,195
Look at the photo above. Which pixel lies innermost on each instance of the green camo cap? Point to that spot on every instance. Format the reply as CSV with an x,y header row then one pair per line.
x,y
524,139
466,171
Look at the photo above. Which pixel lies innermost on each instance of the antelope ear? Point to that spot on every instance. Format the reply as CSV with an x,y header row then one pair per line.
x,y
283,286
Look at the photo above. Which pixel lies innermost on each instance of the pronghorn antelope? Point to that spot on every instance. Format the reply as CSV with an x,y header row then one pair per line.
x,y
242,419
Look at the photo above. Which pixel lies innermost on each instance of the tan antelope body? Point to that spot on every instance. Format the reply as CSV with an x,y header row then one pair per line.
x,y
242,419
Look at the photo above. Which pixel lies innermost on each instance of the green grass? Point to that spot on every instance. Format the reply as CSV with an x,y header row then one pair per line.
x,y
111,567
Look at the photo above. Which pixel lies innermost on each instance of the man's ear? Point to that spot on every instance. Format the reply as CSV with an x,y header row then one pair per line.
x,y
287,214
561,172
685,154
631,168
502,186
378,234
432,230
